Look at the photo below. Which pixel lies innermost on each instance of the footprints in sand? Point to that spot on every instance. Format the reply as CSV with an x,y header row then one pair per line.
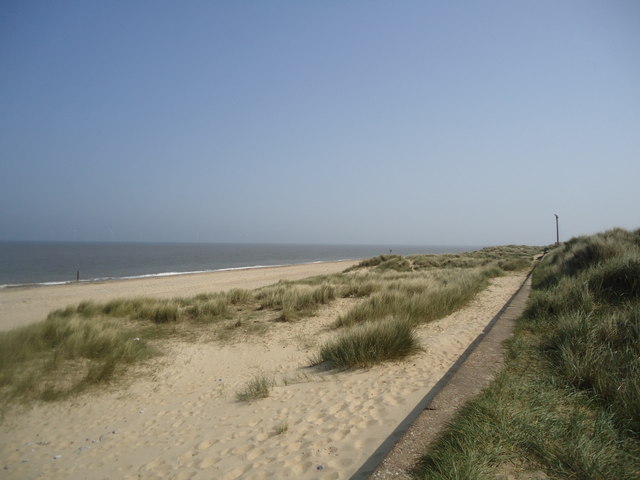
x,y
186,423
255,453
206,444
208,462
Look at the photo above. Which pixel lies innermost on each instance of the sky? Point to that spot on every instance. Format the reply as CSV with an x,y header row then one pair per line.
x,y
342,122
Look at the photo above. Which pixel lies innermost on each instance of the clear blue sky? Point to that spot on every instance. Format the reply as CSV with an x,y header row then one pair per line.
x,y
395,122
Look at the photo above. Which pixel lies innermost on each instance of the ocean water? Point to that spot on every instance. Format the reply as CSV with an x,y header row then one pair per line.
x,y
58,262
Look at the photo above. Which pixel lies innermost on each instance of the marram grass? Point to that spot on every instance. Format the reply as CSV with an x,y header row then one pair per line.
x,y
35,360
568,401
365,345
420,299
93,343
258,387
295,301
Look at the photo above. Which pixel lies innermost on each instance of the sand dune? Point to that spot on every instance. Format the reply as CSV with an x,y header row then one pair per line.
x,y
20,306
178,418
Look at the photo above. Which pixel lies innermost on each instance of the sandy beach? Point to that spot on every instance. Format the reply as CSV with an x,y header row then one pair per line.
x,y
23,305
177,416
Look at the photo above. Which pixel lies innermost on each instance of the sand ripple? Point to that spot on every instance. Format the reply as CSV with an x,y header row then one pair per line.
x,y
183,421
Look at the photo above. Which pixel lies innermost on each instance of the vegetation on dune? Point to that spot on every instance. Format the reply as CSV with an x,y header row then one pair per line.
x,y
509,257
419,297
51,359
295,301
91,343
568,401
365,345
258,387
280,429
407,291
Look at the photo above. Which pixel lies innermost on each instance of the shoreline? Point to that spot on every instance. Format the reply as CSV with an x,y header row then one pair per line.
x,y
22,305
177,416
14,286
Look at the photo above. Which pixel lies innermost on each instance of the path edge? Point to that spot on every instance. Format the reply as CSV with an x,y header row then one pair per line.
x,y
371,464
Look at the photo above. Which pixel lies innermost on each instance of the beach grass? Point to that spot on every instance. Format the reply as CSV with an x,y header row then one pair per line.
x,y
512,256
404,292
374,342
64,355
93,343
568,402
295,301
419,297
280,428
258,387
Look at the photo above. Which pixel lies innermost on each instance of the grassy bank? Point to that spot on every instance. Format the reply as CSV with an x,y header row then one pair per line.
x,y
407,291
93,343
568,402
364,345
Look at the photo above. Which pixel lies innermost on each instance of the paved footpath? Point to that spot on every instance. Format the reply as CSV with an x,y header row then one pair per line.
x,y
475,369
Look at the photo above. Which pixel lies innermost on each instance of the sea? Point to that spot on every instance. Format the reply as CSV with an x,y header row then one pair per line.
x,y
52,263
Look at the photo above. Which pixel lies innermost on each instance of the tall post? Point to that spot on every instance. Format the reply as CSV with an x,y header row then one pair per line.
x,y
557,231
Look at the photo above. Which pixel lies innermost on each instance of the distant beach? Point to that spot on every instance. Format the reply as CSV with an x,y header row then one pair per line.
x,y
54,263
23,305
177,416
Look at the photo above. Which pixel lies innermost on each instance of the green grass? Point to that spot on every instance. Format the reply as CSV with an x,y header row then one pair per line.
x,y
93,343
258,387
154,310
511,256
568,401
371,343
280,429
617,280
421,297
65,355
600,353
295,301
534,424
406,292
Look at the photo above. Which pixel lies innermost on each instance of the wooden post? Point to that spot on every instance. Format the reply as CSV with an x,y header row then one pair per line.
x,y
77,275
557,231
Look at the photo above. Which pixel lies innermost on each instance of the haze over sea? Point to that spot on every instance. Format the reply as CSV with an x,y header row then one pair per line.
x,y
57,262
